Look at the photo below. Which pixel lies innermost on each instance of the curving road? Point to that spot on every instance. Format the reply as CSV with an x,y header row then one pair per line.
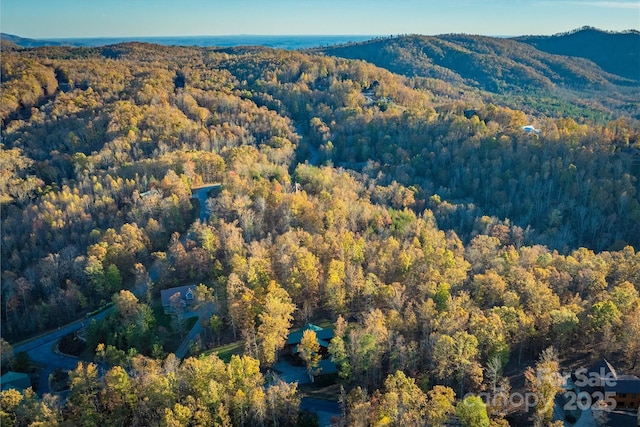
x,y
315,154
202,194
41,350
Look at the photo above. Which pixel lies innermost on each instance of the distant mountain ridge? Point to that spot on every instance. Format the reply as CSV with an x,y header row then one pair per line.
x,y
589,69
617,53
26,42
293,42
614,52
495,64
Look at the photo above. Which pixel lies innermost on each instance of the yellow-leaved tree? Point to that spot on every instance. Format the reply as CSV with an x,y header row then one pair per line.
x,y
308,350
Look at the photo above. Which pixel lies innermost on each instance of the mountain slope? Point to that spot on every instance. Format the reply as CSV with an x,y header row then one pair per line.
x,y
26,42
617,53
492,64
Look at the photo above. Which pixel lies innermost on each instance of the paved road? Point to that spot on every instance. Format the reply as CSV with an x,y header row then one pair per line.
x,y
41,350
52,362
324,408
191,336
202,194
56,334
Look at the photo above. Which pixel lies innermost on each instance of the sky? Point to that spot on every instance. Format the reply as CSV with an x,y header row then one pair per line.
x,y
137,18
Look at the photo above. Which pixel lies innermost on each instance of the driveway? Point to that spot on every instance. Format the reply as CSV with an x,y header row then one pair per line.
x,y
326,409
202,194
191,336
291,374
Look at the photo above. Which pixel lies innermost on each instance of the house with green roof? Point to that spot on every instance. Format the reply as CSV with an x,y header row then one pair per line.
x,y
324,337
16,380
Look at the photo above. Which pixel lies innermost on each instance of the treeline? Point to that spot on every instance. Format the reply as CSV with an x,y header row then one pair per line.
x,y
201,391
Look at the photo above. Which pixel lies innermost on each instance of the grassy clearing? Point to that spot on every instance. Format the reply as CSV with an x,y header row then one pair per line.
x,y
162,319
226,351
171,338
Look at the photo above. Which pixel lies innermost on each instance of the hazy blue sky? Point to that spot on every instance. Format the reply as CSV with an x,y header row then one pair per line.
x,y
113,18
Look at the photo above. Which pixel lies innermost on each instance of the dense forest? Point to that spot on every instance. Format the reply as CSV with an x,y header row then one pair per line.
x,y
614,52
403,201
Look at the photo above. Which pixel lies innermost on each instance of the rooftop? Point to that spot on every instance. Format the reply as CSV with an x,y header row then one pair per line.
x,y
184,291
16,380
323,335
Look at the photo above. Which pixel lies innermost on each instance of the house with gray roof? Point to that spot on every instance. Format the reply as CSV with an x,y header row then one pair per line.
x,y
603,378
185,297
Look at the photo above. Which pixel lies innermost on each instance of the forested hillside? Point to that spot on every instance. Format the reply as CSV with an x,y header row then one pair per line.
x,y
25,42
617,53
413,211
565,77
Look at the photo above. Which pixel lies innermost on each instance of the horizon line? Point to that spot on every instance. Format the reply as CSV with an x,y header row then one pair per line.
x,y
54,38
59,38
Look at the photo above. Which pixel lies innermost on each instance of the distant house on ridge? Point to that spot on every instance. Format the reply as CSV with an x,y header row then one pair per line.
x,y
530,129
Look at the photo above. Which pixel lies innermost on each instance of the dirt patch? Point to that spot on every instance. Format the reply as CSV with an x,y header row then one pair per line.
x,y
330,392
